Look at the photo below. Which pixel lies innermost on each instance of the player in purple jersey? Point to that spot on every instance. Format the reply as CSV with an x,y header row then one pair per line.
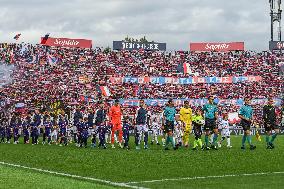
x,y
34,133
25,127
79,131
84,126
47,131
102,130
2,130
63,123
16,127
125,128
9,132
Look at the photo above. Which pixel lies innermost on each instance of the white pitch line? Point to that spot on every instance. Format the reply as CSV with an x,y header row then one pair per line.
x,y
72,176
205,177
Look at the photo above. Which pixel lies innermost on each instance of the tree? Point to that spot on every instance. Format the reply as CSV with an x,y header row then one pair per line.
x,y
131,39
107,50
143,40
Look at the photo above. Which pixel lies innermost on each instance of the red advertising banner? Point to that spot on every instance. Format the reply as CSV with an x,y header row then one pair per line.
x,y
66,42
219,47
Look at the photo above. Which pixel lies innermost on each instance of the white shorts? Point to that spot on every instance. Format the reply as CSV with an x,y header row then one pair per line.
x,y
178,132
54,133
155,128
92,131
225,133
142,128
74,129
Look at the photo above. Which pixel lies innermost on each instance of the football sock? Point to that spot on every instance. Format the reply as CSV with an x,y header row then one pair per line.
x,y
199,142
186,137
267,139
211,138
244,140
206,140
94,141
137,138
167,141
195,144
215,138
249,139
155,138
229,141
172,141
146,138
273,137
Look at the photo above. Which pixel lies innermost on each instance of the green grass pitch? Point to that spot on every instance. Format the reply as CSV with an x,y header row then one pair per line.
x,y
133,167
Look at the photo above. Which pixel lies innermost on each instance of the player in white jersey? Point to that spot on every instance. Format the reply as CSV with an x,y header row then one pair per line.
x,y
54,134
178,131
155,128
225,131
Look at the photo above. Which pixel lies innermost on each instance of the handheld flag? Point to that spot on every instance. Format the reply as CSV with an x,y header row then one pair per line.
x,y
44,39
17,36
137,90
103,90
33,59
52,59
184,68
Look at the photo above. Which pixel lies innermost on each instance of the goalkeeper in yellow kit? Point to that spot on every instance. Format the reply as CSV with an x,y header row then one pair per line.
x,y
186,118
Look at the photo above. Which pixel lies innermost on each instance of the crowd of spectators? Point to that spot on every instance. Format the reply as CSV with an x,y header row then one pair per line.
x,y
37,81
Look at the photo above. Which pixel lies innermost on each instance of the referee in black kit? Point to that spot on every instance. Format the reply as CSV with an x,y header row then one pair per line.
x,y
269,118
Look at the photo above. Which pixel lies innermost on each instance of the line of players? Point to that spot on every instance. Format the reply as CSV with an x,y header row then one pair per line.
x,y
103,124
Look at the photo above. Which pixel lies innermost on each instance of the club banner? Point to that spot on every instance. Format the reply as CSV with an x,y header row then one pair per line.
x,y
5,74
184,81
276,45
238,130
123,45
235,130
197,102
219,47
66,42
281,68
2,103
83,79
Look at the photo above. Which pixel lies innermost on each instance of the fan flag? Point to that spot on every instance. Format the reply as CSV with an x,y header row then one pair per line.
x,y
43,41
19,105
52,59
281,68
233,118
103,90
33,59
184,68
83,79
17,36
137,90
